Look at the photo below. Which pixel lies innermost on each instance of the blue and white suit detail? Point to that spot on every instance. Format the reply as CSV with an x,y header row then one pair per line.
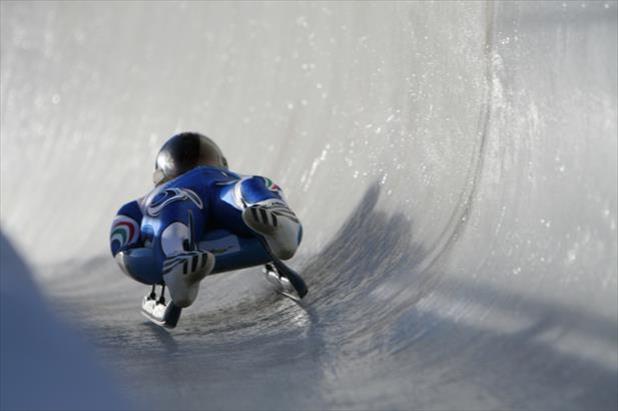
x,y
207,209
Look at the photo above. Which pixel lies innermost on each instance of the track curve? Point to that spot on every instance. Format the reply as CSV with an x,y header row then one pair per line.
x,y
454,165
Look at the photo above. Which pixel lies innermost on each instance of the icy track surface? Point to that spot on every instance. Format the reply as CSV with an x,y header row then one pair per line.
x,y
454,165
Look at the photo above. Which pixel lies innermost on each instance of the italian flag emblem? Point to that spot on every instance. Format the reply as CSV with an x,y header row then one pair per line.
x,y
124,230
271,185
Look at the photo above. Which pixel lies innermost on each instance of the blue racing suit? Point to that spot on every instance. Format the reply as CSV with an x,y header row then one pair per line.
x,y
207,201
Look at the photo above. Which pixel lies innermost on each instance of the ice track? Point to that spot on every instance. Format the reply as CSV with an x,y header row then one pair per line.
x,y
454,164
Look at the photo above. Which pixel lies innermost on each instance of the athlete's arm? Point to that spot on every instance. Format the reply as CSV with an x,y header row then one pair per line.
x,y
127,245
267,213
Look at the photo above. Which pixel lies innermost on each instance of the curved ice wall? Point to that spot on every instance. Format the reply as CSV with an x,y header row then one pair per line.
x,y
454,164
44,364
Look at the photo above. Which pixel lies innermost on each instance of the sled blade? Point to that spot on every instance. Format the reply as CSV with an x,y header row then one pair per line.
x,y
292,276
295,279
164,315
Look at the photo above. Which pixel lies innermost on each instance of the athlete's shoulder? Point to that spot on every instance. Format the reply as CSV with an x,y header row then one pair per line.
x,y
134,209
203,175
261,181
125,230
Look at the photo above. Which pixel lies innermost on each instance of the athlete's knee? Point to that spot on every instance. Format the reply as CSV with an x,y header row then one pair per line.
x,y
183,272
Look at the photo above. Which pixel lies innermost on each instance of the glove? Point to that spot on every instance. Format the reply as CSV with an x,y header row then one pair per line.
x,y
277,223
183,272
